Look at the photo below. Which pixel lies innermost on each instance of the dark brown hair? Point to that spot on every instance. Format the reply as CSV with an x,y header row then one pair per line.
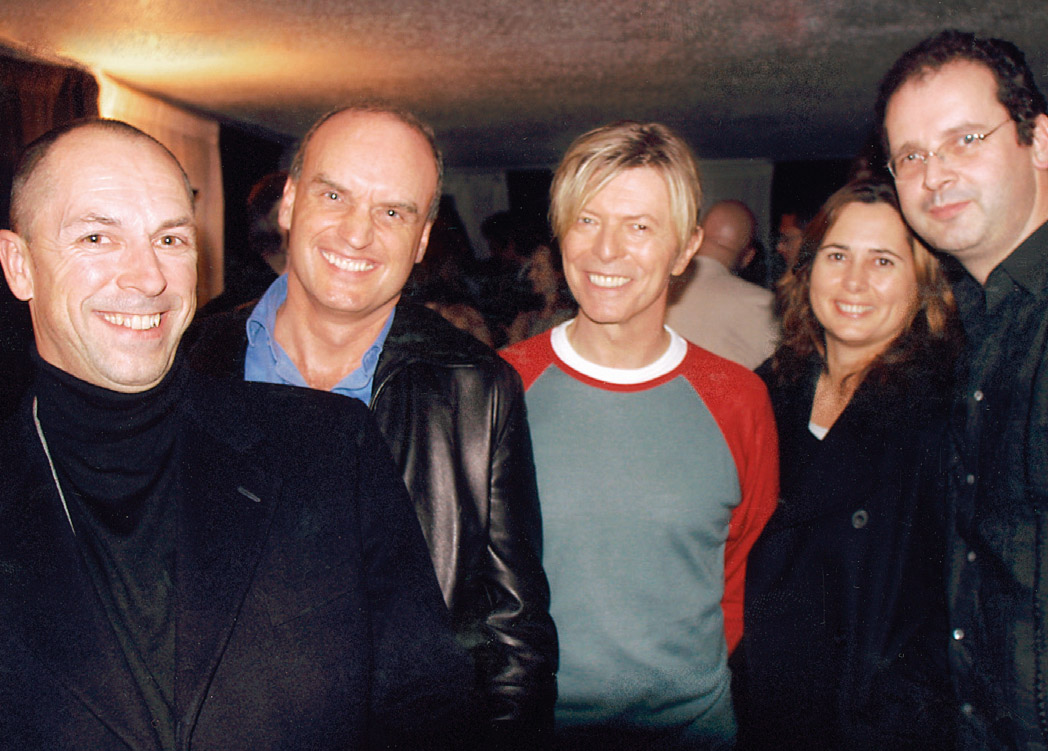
x,y
1016,87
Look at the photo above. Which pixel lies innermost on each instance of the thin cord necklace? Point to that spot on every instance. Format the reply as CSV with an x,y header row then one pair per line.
x,y
51,464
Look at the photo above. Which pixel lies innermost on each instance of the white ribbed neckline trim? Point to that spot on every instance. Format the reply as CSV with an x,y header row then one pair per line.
x,y
670,359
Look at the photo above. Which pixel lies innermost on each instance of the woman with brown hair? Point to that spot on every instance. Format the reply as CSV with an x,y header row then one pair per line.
x,y
844,640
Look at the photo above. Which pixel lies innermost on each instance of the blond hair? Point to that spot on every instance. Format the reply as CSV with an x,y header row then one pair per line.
x,y
599,156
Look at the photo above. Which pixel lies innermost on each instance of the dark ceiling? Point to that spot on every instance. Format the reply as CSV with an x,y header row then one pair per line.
x,y
510,83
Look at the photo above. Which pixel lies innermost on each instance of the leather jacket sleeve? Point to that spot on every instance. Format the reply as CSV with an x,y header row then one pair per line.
x,y
523,686
455,419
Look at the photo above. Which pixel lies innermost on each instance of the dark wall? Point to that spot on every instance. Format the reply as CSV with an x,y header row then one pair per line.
x,y
34,98
246,158
529,193
802,187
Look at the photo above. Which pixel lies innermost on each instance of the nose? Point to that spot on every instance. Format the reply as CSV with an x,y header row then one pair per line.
x,y
356,227
936,172
855,277
141,270
605,245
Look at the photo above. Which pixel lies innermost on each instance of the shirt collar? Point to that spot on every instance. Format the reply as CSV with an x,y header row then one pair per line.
x,y
263,319
1026,266
261,325
666,363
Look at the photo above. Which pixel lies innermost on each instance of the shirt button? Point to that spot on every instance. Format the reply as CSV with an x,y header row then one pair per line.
x,y
970,479
971,556
859,518
978,395
958,634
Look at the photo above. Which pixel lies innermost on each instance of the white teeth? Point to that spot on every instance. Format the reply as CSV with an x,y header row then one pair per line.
x,y
854,308
608,281
347,264
136,322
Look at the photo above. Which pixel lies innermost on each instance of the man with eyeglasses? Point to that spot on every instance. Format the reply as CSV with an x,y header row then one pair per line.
x,y
966,133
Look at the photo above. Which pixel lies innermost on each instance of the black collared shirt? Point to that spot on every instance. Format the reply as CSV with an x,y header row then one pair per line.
x,y
998,492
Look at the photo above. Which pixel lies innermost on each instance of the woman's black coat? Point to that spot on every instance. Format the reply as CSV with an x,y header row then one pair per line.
x,y
845,626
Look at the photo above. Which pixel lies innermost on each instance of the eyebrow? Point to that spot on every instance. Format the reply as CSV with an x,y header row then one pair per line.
x,y
109,221
645,218
842,246
182,221
962,129
96,219
887,252
323,180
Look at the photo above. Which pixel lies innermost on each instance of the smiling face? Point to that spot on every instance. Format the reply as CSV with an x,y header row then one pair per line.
x,y
981,210
357,216
106,259
622,249
863,283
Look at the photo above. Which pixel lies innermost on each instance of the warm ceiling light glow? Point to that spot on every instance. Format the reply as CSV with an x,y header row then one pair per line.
x,y
157,58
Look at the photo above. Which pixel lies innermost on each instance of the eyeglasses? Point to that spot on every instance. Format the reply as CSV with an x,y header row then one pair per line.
x,y
954,151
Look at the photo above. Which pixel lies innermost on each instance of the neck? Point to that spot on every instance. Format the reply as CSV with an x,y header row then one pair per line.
x,y
727,260
837,384
326,347
981,268
618,345
844,363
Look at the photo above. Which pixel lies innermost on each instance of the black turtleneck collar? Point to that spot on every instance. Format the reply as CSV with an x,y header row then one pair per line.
x,y
111,448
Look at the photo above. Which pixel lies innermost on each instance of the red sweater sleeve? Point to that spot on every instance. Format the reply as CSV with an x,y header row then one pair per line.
x,y
530,357
739,403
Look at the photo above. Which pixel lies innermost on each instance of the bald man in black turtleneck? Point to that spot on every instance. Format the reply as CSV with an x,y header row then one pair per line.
x,y
187,563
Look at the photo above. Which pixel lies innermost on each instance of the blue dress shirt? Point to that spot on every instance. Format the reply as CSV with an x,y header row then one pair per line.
x,y
266,360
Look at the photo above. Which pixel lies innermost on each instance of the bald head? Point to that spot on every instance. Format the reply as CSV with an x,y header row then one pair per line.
x,y
33,173
381,109
728,234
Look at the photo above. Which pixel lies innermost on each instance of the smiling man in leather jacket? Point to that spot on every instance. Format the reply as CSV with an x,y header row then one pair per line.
x,y
358,207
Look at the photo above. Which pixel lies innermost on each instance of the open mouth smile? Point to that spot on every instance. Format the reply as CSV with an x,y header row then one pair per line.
x,y
134,322
600,280
347,264
852,309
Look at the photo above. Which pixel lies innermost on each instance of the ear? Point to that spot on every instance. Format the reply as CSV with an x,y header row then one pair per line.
x,y
1040,142
687,252
746,257
423,241
18,267
287,205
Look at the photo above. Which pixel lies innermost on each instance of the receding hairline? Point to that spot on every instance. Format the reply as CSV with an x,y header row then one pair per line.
x,y
33,167
383,110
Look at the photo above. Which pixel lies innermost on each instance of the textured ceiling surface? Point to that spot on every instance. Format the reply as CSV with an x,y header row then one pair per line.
x,y
509,83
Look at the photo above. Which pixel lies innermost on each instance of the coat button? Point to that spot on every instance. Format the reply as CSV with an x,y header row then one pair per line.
x,y
958,634
978,395
859,518
972,556
967,709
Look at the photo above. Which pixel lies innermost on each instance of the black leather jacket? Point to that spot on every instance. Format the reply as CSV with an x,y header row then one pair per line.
x,y
453,414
